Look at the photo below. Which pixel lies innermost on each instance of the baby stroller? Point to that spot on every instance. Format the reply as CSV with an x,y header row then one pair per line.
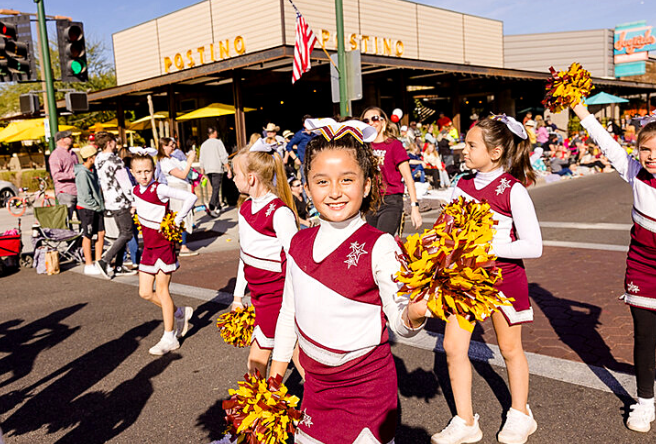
x,y
53,231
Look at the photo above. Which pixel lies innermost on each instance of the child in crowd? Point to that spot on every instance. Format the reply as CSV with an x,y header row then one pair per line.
x,y
90,207
640,278
158,259
267,222
498,149
350,392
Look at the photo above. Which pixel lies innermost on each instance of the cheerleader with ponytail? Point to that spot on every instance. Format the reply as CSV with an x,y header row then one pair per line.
x,y
498,150
267,223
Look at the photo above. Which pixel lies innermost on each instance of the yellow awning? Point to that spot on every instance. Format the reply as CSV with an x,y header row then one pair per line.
x,y
213,110
144,122
30,130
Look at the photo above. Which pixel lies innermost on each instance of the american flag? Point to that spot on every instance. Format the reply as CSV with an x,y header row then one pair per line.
x,y
303,46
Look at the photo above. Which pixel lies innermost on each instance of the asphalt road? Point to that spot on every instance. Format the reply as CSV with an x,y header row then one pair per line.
x,y
75,368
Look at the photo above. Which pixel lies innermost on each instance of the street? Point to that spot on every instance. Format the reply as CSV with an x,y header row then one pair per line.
x,y
75,368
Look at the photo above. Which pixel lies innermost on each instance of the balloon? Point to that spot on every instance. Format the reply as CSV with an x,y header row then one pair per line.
x,y
397,114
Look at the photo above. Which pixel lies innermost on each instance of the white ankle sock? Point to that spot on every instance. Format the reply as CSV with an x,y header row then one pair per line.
x,y
646,401
169,335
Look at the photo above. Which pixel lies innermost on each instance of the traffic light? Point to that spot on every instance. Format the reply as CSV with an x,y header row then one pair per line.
x,y
14,54
72,51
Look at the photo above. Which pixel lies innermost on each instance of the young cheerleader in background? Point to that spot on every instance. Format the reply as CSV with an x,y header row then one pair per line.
x,y
267,222
339,292
158,259
498,149
640,278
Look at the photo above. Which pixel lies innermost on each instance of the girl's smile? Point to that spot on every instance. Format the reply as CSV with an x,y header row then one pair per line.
x,y
337,185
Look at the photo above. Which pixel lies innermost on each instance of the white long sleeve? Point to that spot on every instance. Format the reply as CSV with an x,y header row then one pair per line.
x,y
240,283
623,162
165,192
384,267
529,237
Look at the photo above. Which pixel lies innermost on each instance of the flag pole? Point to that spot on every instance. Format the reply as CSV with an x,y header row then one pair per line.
x,y
341,57
322,47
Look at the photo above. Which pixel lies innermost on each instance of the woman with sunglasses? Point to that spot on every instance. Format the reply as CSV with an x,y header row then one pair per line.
x,y
393,163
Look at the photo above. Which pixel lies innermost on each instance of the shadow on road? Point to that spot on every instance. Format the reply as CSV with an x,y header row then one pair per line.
x,y
205,314
24,344
61,405
576,323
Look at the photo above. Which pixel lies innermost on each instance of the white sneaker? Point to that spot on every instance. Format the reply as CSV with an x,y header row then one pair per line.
x,y
518,427
164,346
91,270
640,417
182,322
458,432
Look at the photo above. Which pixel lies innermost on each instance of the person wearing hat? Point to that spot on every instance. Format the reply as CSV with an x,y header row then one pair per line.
x,y
90,207
62,162
530,129
272,137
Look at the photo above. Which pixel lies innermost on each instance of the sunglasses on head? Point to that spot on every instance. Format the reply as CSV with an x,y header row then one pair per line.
x,y
372,119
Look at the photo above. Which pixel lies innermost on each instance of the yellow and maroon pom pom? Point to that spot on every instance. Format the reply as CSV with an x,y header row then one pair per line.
x,y
169,229
452,266
237,326
567,88
135,219
261,412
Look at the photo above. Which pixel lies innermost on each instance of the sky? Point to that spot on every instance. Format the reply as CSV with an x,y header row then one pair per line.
x,y
102,19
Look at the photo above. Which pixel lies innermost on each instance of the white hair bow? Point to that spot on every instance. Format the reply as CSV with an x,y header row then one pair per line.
x,y
333,130
648,119
513,125
143,151
262,146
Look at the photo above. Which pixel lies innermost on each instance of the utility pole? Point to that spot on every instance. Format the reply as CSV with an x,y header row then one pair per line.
x,y
47,68
341,59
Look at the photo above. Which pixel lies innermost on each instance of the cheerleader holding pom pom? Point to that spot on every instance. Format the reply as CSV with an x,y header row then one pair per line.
x,y
339,293
267,223
498,149
640,277
159,258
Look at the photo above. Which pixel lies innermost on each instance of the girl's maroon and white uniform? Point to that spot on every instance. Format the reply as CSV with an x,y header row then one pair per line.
x,y
338,295
517,234
152,204
640,277
266,227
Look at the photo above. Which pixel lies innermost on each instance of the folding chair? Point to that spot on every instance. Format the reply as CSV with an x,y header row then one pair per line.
x,y
54,232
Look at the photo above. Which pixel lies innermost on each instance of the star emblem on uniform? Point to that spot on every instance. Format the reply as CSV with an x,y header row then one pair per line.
x,y
307,419
633,288
271,209
505,183
353,257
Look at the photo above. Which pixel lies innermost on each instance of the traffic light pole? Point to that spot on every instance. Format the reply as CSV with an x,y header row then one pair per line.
x,y
50,85
341,59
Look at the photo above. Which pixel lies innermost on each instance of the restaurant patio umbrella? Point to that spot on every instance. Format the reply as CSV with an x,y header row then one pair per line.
x,y
604,99
144,122
104,126
32,129
213,110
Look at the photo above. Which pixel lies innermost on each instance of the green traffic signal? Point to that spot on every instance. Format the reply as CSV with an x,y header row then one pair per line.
x,y
77,67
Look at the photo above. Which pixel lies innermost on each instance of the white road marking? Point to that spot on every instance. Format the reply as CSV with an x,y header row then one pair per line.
x,y
571,372
564,370
586,226
585,245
